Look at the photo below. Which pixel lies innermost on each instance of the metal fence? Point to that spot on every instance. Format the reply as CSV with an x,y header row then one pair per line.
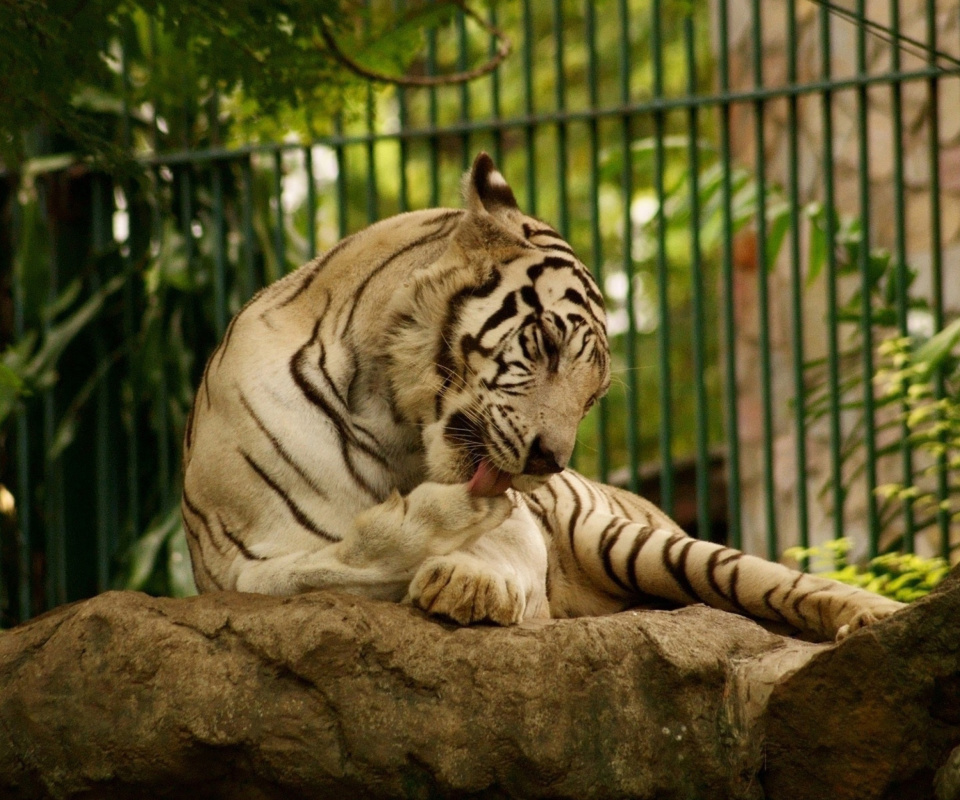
x,y
689,155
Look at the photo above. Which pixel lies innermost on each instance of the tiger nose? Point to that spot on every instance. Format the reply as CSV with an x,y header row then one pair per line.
x,y
541,461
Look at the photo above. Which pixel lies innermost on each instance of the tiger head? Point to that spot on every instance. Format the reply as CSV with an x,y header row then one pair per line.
x,y
513,325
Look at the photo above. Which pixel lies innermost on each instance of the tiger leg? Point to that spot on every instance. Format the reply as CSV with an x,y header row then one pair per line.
x,y
499,578
628,558
383,548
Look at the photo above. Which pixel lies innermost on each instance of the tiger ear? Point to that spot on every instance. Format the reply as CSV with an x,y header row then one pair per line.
x,y
485,188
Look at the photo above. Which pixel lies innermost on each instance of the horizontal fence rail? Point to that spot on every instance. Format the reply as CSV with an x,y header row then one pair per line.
x,y
764,217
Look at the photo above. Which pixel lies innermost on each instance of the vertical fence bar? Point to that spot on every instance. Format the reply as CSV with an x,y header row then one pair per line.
x,y
403,144
697,289
249,242
279,235
102,419
866,312
219,256
338,149
563,218
529,129
900,253
830,275
663,283
796,284
495,90
462,60
373,198
130,294
373,201
936,260
763,289
735,535
24,487
432,113
156,232
311,203
55,539
626,196
596,242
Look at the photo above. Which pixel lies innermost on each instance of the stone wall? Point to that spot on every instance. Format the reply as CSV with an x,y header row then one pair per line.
x,y
881,125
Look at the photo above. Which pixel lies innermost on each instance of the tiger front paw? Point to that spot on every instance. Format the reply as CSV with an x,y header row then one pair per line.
x,y
453,515
466,590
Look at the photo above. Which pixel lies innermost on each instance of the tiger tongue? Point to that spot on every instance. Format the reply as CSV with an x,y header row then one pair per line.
x,y
488,481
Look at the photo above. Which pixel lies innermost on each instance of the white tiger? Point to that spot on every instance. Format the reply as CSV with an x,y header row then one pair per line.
x,y
394,419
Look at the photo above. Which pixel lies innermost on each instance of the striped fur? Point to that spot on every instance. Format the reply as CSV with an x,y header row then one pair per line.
x,y
360,422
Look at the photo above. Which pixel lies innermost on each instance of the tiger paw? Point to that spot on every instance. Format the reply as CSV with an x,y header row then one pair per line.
x,y
453,515
867,616
467,590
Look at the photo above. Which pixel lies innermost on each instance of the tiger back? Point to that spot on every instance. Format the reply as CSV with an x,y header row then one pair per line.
x,y
395,419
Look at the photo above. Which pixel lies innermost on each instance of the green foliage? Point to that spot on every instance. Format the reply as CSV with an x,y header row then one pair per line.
x,y
923,377
159,562
30,366
75,69
900,576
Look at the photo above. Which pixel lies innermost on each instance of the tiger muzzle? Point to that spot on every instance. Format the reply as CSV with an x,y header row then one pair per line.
x,y
541,460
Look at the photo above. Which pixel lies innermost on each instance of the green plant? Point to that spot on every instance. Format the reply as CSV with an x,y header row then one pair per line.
x,y
886,284
900,576
75,69
923,377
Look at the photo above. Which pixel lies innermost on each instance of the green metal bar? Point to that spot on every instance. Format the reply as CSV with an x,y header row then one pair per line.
x,y
373,200
830,276
866,321
24,486
249,241
342,207
796,288
900,252
563,202
130,296
495,90
530,129
102,419
563,217
403,193
769,488
433,140
464,90
936,262
626,195
662,267
530,120
373,197
697,290
596,238
167,489
55,538
219,256
735,535
665,387
279,234
163,420
311,204
186,219
763,292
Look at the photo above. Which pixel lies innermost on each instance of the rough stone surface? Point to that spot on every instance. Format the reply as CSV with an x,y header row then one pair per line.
x,y
328,695
875,717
